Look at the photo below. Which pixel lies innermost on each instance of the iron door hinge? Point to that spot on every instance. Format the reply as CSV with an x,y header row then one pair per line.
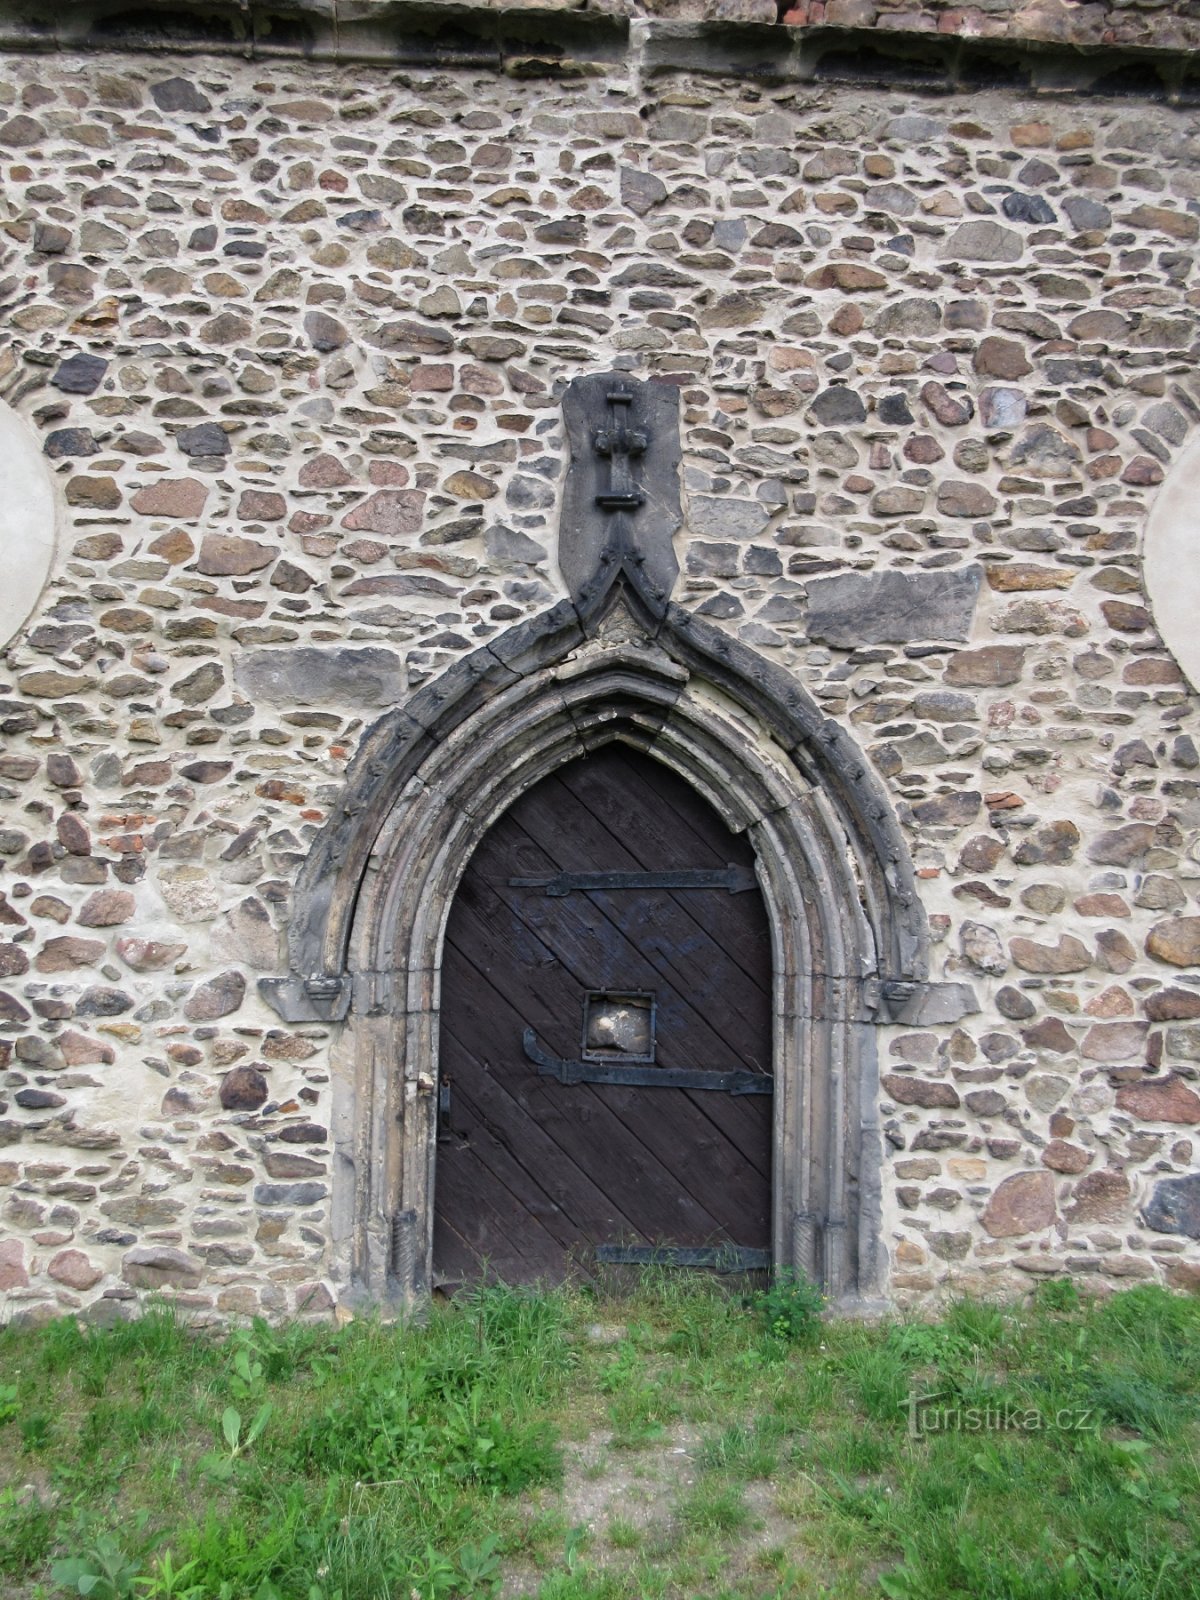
x,y
718,1257
733,879
738,1080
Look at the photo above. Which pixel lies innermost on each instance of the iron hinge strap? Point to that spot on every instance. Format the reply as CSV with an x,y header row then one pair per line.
x,y
720,1257
734,879
645,1076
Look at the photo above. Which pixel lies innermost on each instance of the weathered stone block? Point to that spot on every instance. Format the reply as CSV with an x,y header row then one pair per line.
x,y
160,1267
1174,1207
892,607
219,997
1176,942
1161,1100
362,676
1021,1204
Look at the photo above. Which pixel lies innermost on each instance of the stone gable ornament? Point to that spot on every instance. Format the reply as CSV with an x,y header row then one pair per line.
x,y
621,502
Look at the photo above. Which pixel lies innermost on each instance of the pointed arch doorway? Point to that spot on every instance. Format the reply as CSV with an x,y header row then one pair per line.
x,y
848,934
606,1052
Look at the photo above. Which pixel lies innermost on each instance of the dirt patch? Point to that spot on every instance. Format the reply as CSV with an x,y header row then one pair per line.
x,y
616,1502
635,1487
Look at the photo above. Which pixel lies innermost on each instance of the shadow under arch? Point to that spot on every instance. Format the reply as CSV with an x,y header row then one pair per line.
x,y
848,929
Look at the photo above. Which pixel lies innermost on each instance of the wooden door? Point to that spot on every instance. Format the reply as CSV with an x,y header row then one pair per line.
x,y
606,1035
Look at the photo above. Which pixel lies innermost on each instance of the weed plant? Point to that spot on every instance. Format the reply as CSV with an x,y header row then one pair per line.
x,y
150,1462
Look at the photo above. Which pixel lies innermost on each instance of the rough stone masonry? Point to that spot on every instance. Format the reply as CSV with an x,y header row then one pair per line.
x,y
292,329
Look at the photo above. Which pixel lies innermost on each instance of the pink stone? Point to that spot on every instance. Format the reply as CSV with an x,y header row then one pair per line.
x,y
171,497
1069,955
1100,1197
1152,671
1115,1041
148,955
1176,941
106,908
73,834
74,1269
217,998
1022,1204
324,472
243,1089
913,1091
160,1267
1051,1033
1173,1005
13,961
1060,1156
433,377
1111,1002
312,1298
80,1051
481,380
389,512
1142,471
1160,1100
261,505
1114,953
66,952
12,1265
1185,1276
225,555
1101,905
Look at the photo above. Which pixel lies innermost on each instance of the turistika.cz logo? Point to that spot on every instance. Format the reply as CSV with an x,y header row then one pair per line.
x,y
944,1413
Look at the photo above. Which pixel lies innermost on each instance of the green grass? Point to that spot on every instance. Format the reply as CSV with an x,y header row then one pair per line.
x,y
770,1454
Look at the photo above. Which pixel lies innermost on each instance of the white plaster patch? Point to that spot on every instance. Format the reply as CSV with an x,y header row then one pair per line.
x,y
26,522
1172,561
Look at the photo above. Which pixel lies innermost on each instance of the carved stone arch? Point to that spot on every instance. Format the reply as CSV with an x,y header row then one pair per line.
x,y
848,929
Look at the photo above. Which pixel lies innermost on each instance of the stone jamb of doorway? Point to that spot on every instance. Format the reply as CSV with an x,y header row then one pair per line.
x,y
848,929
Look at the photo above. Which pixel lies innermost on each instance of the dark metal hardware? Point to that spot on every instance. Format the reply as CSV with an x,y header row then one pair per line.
x,y
734,879
736,1081
444,1128
620,443
720,1257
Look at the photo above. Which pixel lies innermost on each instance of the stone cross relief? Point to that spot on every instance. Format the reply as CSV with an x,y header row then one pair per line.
x,y
621,504
620,443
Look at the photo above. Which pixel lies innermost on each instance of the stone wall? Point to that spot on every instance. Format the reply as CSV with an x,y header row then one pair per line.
x,y
293,336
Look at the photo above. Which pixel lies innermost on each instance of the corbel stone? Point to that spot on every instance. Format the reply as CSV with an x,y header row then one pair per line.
x,y
320,997
920,1004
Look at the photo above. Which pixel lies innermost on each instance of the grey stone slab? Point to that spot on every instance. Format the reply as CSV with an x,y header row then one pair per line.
x,y
856,608
1174,1207
308,676
924,1004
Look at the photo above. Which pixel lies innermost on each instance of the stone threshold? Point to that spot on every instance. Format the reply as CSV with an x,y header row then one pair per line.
x,y
548,42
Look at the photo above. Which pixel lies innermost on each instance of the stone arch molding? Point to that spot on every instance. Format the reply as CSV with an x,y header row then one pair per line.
x,y
849,934
26,523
